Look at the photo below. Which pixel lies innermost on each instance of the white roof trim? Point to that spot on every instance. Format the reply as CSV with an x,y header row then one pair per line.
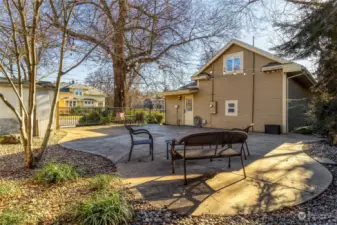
x,y
180,92
246,46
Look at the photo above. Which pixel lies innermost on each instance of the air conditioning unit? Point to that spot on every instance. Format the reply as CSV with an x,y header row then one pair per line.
x,y
272,129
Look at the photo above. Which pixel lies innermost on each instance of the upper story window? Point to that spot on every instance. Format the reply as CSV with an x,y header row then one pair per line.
x,y
233,63
78,92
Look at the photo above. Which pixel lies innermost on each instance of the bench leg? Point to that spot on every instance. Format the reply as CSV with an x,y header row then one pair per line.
x,y
130,152
247,148
167,149
243,166
185,176
173,165
229,162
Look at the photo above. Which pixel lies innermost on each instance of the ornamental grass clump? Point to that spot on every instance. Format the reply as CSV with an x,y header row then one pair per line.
x,y
8,188
12,217
106,208
102,181
53,173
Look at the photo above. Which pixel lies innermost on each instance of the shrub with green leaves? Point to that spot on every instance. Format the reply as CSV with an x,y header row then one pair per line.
x,y
105,209
7,188
102,181
322,114
155,117
55,173
12,217
106,119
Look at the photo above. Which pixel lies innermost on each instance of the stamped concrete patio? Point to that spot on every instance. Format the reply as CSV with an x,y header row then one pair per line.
x,y
279,173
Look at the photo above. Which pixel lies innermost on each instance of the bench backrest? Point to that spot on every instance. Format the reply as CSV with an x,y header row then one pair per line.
x,y
199,139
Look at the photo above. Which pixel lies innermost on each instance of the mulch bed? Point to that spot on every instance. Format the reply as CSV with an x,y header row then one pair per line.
x,y
44,203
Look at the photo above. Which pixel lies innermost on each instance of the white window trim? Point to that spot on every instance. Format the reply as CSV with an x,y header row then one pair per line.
x,y
78,92
233,55
235,102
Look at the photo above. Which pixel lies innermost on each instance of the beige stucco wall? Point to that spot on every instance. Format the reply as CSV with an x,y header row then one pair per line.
x,y
171,113
269,94
8,120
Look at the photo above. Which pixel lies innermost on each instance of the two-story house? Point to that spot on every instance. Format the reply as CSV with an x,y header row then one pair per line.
x,y
241,85
79,95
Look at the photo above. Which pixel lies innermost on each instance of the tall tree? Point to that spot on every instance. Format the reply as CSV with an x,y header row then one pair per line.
x,y
150,31
313,32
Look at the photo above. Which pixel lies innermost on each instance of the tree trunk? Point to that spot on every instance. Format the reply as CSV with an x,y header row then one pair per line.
x,y
119,56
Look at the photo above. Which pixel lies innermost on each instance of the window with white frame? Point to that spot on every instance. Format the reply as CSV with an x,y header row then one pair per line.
x,y
78,92
233,63
231,107
71,103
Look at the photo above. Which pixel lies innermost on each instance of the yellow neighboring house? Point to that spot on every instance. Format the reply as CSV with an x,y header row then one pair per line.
x,y
79,95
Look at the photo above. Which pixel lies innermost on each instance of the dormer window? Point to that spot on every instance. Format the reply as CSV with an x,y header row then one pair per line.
x,y
233,63
78,92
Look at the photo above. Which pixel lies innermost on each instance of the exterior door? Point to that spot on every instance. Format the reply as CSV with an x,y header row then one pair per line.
x,y
188,110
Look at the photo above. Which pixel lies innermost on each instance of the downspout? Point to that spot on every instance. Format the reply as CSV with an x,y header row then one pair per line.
x,y
253,87
165,110
212,95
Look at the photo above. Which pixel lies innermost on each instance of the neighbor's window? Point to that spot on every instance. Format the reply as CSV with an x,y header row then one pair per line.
x,y
233,63
231,108
78,92
71,103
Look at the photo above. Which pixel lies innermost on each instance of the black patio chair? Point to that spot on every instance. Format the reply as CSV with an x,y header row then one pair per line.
x,y
246,130
148,141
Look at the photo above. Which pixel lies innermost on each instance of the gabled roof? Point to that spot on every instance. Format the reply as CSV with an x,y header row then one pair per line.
x,y
39,84
88,90
246,46
278,61
189,88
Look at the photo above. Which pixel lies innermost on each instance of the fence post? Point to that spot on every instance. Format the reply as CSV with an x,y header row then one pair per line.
x,y
57,116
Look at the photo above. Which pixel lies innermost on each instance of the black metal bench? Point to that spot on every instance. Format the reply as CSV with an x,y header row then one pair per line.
x,y
218,145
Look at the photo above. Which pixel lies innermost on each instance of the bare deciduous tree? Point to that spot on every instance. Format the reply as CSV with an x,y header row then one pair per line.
x,y
150,31
25,38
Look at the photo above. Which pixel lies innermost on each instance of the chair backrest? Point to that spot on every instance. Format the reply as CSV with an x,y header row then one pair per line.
x,y
199,139
129,128
248,128
233,137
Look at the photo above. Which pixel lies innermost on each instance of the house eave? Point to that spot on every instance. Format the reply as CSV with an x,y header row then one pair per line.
x,y
181,92
243,45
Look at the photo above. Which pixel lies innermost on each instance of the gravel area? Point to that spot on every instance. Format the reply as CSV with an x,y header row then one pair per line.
x,y
321,210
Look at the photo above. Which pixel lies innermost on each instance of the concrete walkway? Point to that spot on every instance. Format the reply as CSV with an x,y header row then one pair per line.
x,y
279,172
